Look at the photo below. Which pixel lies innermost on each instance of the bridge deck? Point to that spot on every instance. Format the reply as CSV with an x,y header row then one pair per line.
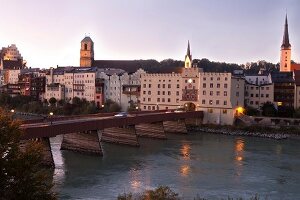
x,y
37,130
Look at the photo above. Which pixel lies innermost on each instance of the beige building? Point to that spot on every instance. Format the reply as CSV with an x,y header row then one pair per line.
x,y
218,95
221,97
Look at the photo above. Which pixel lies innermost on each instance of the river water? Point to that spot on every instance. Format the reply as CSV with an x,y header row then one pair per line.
x,y
211,166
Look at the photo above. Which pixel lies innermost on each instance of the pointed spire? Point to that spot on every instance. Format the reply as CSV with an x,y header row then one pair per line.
x,y
188,51
286,41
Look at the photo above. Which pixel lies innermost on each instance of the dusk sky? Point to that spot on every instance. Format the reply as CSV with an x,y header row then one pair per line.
x,y
48,32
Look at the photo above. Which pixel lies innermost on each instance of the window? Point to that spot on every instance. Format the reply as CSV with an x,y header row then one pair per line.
x,y
256,95
203,101
210,110
144,85
163,93
225,93
204,85
218,93
211,85
169,85
149,92
164,85
169,92
211,78
211,93
144,92
218,78
217,102
158,99
149,85
149,99
251,95
177,93
158,92
256,102
267,95
225,85
226,78
225,103
224,111
177,86
163,99
85,46
267,88
158,86
169,100
262,95
237,94
210,102
218,85
204,78
204,92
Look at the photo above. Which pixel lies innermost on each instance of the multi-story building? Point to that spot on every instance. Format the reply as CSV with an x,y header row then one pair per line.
x,y
221,97
10,58
284,88
259,89
218,95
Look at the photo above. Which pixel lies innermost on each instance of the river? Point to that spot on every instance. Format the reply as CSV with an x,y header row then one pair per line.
x,y
211,166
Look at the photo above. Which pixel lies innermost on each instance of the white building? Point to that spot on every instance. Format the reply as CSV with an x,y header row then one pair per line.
x,y
259,89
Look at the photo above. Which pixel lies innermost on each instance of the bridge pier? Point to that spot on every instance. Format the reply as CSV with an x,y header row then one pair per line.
x,y
152,130
178,126
120,135
47,157
82,142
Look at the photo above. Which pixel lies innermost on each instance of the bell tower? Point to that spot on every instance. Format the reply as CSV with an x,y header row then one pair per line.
x,y
285,57
86,52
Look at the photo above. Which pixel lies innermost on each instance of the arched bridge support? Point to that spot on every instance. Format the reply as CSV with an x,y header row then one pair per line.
x,y
151,130
177,126
120,135
87,142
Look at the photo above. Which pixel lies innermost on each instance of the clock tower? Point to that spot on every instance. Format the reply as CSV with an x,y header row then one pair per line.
x,y
86,52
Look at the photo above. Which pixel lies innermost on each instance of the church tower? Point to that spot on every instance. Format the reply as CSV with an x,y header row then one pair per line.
x,y
86,52
188,57
285,58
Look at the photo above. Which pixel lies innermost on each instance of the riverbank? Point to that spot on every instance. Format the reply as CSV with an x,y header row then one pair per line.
x,y
264,132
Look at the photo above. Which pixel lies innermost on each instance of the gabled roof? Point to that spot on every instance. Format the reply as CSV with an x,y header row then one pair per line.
x,y
282,77
129,66
297,77
13,64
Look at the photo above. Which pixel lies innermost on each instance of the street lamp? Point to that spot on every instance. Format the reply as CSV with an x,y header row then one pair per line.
x,y
12,113
137,108
51,114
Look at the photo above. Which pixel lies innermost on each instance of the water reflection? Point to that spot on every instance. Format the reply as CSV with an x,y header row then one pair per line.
x,y
239,155
185,170
239,150
135,177
185,151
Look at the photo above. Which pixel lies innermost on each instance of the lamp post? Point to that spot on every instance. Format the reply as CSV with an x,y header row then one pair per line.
x,y
51,114
12,113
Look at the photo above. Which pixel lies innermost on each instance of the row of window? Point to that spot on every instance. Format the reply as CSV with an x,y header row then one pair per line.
x,y
211,93
210,102
262,88
211,85
211,110
145,80
212,78
161,93
261,95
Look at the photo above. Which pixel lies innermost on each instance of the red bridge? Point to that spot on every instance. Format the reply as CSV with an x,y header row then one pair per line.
x,y
84,133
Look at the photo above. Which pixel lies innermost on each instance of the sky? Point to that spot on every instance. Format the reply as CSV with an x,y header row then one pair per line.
x,y
48,32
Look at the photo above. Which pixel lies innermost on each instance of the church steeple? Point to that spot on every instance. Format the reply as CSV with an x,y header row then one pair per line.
x,y
286,41
188,57
285,58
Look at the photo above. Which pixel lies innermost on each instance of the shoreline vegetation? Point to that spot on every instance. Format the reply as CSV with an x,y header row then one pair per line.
x,y
277,133
165,193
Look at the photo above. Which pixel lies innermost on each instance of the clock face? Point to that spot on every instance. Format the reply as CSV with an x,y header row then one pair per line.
x,y
190,86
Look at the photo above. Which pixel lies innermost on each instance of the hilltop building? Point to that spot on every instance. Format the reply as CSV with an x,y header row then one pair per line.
x,y
10,58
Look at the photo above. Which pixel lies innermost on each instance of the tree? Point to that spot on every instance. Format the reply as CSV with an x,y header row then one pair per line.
x,y
269,110
52,101
21,174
